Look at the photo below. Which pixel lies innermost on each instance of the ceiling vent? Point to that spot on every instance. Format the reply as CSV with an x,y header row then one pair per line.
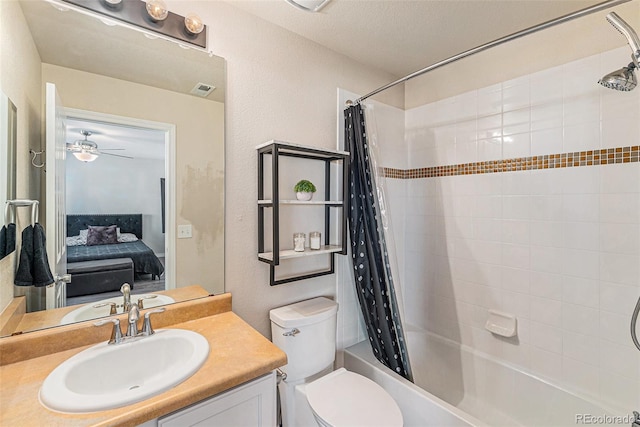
x,y
202,89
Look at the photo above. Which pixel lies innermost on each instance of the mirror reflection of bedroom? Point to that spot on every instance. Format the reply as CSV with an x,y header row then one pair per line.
x,y
115,205
110,113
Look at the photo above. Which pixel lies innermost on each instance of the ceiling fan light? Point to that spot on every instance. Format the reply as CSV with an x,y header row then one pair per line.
x,y
157,10
85,156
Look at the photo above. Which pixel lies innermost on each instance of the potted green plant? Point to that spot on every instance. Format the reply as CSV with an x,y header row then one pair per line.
x,y
304,190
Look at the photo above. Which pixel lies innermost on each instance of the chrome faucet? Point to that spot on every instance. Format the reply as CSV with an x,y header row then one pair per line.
x,y
126,293
133,333
134,315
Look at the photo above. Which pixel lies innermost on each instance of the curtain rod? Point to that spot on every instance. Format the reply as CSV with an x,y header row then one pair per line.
x,y
565,18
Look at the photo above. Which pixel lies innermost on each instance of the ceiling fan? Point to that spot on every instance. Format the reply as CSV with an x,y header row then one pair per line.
x,y
87,151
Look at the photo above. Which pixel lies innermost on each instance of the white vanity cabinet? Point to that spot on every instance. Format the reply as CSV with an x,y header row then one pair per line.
x,y
250,404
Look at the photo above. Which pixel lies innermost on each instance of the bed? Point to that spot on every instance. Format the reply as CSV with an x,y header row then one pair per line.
x,y
144,259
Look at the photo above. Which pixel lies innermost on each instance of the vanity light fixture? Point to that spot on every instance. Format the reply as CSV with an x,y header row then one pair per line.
x,y
193,24
157,10
152,16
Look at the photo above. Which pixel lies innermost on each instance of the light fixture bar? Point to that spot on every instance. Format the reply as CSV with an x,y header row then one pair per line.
x,y
134,12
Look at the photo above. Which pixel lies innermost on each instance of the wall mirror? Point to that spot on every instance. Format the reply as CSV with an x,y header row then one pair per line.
x,y
8,141
153,112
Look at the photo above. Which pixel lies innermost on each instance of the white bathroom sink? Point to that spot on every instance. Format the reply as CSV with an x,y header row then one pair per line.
x,y
110,376
90,311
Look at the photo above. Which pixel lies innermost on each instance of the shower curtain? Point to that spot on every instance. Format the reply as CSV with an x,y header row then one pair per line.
x,y
372,270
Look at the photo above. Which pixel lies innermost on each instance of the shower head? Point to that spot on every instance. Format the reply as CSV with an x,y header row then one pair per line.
x,y
623,79
626,30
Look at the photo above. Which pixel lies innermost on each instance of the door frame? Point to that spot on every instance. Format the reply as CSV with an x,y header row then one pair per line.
x,y
170,175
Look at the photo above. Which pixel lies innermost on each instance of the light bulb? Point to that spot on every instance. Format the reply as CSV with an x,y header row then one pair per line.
x,y
85,156
157,10
193,24
113,2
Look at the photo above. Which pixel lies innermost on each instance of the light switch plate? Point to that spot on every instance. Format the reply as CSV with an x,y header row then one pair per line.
x,y
184,231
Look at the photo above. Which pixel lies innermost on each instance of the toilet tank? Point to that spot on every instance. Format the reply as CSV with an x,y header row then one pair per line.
x,y
313,348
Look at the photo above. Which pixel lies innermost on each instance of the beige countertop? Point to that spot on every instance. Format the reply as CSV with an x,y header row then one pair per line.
x,y
238,353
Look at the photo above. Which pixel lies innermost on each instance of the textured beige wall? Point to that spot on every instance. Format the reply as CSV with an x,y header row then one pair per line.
x,y
20,81
280,86
199,162
551,47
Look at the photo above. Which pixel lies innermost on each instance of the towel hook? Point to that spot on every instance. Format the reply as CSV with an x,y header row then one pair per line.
x,y
33,158
10,210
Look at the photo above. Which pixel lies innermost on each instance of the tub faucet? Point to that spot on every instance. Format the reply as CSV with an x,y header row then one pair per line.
x,y
134,315
126,293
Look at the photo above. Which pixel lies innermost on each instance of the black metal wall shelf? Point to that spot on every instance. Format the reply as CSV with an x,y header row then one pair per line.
x,y
276,149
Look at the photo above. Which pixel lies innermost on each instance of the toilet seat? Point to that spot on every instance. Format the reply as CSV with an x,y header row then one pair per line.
x,y
345,398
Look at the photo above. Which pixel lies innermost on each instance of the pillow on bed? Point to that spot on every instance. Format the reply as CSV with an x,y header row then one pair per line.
x,y
83,234
100,235
76,241
127,237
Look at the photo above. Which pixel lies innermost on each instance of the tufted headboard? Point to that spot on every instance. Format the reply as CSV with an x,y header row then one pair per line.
x,y
128,223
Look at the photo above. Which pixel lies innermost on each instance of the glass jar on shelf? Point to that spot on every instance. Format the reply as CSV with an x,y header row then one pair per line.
x,y
298,242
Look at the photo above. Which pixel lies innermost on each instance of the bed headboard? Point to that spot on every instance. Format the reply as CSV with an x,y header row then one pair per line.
x,y
128,223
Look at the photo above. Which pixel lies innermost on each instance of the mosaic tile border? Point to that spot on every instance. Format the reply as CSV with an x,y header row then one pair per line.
x,y
606,156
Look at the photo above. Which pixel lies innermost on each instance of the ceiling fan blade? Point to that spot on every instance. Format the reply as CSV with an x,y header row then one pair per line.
x,y
115,155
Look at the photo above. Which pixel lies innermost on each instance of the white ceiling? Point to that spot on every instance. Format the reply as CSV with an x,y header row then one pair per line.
x,y
75,40
129,141
403,36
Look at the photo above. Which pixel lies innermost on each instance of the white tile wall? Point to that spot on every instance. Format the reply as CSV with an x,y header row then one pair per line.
x,y
559,248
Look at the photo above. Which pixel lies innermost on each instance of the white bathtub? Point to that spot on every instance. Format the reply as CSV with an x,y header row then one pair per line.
x,y
457,386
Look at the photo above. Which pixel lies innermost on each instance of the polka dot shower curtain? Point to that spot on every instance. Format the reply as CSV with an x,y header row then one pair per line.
x,y
372,271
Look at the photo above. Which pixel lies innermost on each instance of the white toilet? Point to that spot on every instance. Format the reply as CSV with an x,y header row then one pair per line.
x,y
312,393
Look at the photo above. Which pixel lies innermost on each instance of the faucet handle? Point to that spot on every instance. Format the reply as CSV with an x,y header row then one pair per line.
x,y
141,300
112,305
146,328
116,332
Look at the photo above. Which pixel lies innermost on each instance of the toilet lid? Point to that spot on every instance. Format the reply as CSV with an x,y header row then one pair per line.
x,y
344,398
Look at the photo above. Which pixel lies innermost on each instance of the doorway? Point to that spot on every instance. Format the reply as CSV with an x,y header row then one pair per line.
x,y
133,173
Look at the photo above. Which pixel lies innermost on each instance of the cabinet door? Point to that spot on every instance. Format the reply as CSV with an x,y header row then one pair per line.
x,y
250,404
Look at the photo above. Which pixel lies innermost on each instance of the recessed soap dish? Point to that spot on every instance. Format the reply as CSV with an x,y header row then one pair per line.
x,y
501,323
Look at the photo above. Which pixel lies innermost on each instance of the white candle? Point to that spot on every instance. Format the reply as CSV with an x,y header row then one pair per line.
x,y
314,240
298,242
